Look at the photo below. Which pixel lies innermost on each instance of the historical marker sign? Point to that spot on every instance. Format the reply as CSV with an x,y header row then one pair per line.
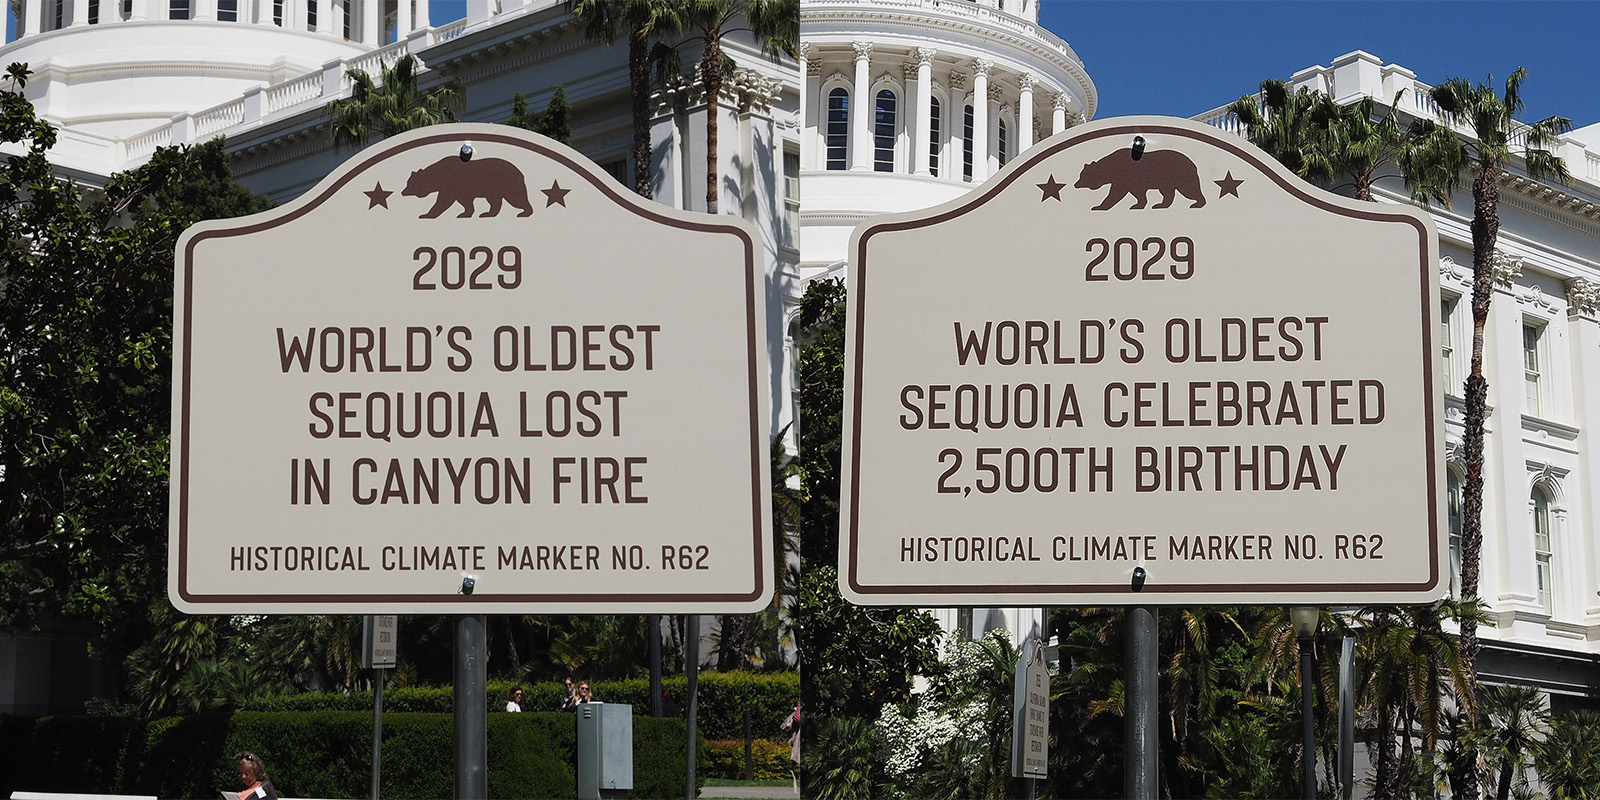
x,y
1143,345
1030,716
506,368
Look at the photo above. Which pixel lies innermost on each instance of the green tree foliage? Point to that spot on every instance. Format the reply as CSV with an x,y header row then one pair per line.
x,y
774,23
392,103
555,122
1568,759
85,349
1326,142
859,658
638,20
1494,137
819,336
1517,720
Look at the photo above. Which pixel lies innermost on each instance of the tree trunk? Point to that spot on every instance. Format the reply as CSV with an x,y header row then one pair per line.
x,y
711,78
1387,781
639,88
1485,229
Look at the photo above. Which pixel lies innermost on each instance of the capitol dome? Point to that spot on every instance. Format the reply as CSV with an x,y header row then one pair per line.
x,y
918,65
108,73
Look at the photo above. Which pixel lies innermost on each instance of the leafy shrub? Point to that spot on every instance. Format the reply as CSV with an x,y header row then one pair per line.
x,y
724,697
769,759
317,754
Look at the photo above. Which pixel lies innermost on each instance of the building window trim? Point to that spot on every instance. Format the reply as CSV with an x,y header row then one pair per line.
x,y
885,128
836,128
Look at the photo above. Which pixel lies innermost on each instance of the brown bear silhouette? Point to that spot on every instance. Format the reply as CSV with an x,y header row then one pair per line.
x,y
1166,171
456,181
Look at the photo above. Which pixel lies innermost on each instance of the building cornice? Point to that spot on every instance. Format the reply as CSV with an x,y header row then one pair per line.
x,y
930,24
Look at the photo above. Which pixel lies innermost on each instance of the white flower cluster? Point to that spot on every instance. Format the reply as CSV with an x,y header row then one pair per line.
x,y
915,731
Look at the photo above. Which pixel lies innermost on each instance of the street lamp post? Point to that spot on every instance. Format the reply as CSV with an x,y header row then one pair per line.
x,y
1305,626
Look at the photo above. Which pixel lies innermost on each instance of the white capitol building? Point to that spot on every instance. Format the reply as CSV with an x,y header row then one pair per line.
x,y
894,105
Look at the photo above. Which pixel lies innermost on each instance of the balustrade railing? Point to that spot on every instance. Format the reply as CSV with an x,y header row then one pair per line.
x,y
293,92
217,118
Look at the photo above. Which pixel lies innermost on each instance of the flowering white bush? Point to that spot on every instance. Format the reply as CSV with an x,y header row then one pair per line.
x,y
916,735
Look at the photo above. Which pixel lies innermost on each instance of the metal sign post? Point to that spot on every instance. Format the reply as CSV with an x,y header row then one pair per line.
x,y
379,653
1142,726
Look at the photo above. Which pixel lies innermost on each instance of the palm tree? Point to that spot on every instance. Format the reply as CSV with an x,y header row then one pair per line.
x,y
638,20
1517,720
776,23
1491,133
394,103
1569,758
1409,658
1286,124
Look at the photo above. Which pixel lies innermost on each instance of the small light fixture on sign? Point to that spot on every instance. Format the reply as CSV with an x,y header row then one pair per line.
x,y
468,582
1138,578
1138,147
466,152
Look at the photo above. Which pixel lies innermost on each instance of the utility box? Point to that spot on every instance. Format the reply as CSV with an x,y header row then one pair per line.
x,y
605,750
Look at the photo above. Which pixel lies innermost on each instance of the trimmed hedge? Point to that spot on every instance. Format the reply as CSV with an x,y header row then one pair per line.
x,y
317,754
724,696
769,759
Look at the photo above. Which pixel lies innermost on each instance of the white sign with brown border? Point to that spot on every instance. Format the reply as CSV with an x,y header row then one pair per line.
x,y
1144,364
470,373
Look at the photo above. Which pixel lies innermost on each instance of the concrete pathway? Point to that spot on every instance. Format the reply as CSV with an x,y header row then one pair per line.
x,y
748,792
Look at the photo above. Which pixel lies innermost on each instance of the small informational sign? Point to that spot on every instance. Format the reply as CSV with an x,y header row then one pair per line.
x,y
470,373
1030,718
379,641
1144,364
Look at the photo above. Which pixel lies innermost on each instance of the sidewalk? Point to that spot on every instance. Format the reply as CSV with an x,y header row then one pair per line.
x,y
748,791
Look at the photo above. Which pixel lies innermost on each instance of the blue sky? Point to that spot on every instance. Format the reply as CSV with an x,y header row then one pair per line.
x,y
1182,58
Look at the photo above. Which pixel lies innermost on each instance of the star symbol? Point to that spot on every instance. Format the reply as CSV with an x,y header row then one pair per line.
x,y
555,195
1229,185
1051,189
377,197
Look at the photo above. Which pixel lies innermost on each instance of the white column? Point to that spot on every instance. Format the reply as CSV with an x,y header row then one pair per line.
x,y
80,13
1058,113
32,15
1508,572
980,119
1025,114
422,22
371,23
861,109
922,140
330,17
1583,327
148,9
810,107
402,17
202,9
956,136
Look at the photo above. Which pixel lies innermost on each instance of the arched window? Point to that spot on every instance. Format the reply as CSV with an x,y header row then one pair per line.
x,y
1453,515
1000,143
883,122
838,127
966,143
934,136
1541,547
